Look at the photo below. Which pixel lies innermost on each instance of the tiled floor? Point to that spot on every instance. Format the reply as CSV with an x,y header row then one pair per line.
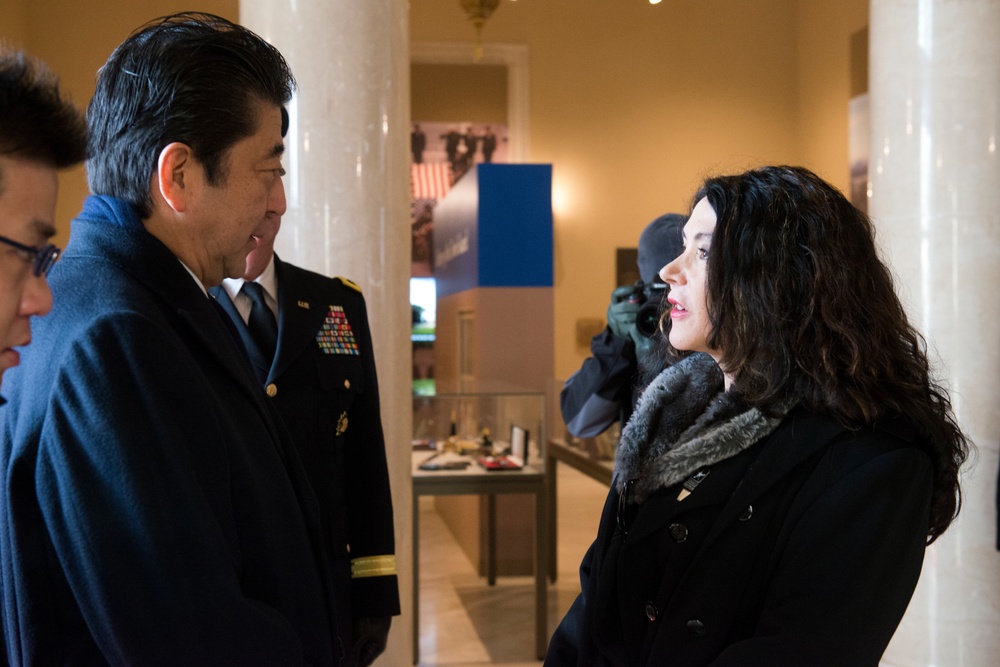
x,y
465,622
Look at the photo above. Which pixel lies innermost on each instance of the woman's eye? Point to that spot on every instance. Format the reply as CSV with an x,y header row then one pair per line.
x,y
702,253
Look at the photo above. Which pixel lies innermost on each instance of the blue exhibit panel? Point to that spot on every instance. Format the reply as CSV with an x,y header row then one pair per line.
x,y
456,238
515,225
494,229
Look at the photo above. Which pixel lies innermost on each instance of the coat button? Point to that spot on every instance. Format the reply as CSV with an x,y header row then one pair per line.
x,y
678,532
271,390
695,627
747,513
347,384
651,612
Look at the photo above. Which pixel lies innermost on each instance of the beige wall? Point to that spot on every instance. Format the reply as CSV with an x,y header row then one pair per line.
x,y
13,24
824,83
75,39
633,104
456,93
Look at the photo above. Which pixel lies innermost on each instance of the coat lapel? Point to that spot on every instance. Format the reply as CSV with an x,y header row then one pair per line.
x,y
797,439
714,490
206,325
147,260
254,355
300,316
658,510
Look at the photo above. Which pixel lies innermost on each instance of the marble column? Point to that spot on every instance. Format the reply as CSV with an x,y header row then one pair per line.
x,y
347,186
935,199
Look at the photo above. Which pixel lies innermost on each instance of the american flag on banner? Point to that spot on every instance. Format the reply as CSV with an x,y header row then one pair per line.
x,y
422,210
430,180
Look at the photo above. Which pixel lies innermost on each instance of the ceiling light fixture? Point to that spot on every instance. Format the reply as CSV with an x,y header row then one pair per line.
x,y
479,12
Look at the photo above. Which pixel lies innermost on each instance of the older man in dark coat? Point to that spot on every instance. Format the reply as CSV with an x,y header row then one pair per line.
x,y
154,511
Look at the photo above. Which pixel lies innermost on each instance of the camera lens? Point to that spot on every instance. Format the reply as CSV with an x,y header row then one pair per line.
x,y
647,320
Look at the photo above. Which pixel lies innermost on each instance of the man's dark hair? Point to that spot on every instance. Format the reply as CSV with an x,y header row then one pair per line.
x,y
36,122
191,78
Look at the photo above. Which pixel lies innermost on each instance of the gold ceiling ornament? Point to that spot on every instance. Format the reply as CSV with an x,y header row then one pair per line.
x,y
479,12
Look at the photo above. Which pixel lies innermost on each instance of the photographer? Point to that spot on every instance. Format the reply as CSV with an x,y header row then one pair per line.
x,y
602,391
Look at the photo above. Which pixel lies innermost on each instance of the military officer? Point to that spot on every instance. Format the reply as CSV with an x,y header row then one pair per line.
x,y
308,339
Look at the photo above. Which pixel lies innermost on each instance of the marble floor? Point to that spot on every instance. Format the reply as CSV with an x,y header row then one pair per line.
x,y
463,621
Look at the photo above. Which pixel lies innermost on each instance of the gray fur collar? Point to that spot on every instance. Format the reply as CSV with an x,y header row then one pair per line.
x,y
683,422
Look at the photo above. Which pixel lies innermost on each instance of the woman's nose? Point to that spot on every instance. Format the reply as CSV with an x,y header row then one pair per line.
x,y
670,272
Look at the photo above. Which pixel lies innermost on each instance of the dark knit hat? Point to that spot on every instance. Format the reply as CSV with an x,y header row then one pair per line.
x,y
659,244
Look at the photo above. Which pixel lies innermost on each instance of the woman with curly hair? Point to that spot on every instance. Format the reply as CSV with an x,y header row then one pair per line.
x,y
774,491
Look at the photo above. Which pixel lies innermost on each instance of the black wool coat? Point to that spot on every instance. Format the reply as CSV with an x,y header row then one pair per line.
x,y
802,550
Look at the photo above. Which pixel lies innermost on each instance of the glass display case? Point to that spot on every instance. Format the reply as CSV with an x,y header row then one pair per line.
x,y
480,424
499,519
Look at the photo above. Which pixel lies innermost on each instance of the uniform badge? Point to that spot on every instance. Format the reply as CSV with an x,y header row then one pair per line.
x,y
336,335
342,423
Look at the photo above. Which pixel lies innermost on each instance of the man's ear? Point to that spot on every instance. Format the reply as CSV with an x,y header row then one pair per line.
x,y
175,175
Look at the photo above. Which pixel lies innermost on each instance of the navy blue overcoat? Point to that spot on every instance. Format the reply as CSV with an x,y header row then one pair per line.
x,y
154,512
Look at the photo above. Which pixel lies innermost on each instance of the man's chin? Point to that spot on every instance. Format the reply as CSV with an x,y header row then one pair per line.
x,y
236,265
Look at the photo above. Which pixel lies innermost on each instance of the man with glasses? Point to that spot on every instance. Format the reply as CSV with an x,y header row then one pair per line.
x,y
156,511
40,133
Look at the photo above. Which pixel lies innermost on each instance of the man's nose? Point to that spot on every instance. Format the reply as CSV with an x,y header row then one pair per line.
x,y
37,297
277,203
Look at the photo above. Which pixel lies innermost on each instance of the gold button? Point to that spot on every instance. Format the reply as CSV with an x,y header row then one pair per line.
x,y
271,390
347,384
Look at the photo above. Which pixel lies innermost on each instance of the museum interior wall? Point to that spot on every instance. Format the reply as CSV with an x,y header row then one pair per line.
x,y
631,103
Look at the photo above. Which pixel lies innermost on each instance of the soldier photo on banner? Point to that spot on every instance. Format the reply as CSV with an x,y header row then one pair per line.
x,y
441,154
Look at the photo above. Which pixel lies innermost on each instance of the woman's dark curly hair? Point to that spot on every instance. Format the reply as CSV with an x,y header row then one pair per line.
x,y
802,307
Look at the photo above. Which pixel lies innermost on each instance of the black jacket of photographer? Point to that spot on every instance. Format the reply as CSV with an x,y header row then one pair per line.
x,y
600,393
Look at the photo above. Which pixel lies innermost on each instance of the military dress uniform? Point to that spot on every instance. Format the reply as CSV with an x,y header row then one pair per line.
x,y
323,382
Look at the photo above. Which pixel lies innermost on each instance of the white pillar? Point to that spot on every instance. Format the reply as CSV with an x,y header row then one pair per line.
x,y
935,177
348,197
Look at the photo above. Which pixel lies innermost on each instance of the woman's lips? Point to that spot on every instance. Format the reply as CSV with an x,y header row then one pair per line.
x,y
676,309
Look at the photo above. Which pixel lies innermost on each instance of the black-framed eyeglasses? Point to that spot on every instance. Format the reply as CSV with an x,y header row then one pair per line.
x,y
42,259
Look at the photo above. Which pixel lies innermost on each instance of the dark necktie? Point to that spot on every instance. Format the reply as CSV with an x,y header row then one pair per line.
x,y
262,326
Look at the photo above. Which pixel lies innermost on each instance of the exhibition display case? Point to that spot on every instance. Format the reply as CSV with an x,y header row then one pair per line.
x,y
481,456
468,427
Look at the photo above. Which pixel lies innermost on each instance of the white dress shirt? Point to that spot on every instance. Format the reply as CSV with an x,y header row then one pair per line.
x,y
268,280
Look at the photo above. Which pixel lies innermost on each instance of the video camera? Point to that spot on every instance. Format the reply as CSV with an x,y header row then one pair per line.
x,y
650,295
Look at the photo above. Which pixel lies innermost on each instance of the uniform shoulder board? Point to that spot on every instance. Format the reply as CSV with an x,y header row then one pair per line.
x,y
349,283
